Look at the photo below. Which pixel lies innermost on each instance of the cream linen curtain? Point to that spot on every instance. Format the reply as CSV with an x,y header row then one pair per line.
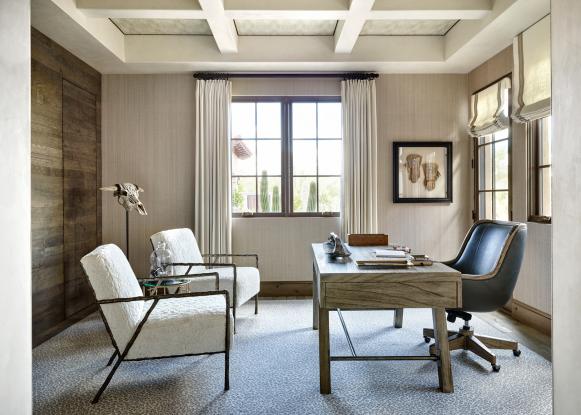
x,y
359,201
213,219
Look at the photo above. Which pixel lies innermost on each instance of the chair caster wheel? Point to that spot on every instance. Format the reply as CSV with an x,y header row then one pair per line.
x,y
516,352
496,368
427,339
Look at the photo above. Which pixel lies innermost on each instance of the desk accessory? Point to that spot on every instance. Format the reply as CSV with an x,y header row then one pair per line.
x,y
335,247
368,239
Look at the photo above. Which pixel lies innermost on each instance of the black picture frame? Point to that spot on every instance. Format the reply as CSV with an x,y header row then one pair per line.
x,y
397,171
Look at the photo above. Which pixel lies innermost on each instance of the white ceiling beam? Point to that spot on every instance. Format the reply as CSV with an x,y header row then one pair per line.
x,y
91,39
222,26
430,9
141,9
471,42
349,29
287,9
282,50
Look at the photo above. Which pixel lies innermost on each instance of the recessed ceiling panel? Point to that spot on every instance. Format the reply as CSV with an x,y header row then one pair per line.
x,y
407,27
162,26
286,27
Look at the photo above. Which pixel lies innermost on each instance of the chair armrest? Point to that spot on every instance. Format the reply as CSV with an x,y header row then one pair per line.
x,y
165,296
473,277
232,256
201,264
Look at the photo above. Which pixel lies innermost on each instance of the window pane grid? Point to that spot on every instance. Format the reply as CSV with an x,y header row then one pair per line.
x,y
493,175
254,162
539,139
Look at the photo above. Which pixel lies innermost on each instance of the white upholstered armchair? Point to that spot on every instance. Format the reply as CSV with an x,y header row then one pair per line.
x,y
243,283
155,327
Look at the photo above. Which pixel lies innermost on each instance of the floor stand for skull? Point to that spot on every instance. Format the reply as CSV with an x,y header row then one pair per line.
x,y
127,234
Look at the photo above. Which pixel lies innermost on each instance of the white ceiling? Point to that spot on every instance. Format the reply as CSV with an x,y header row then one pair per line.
x,y
407,27
150,36
279,27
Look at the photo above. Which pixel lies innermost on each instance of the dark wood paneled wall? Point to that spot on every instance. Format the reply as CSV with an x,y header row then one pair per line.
x,y
66,174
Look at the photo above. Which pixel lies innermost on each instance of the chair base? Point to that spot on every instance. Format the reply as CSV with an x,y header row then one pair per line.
x,y
480,345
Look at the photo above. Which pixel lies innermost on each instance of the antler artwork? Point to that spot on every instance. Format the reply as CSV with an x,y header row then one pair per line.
x,y
127,195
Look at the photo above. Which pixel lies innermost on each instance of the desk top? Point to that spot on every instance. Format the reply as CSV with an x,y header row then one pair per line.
x,y
346,270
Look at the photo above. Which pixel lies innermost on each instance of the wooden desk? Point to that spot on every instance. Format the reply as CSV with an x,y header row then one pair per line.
x,y
342,285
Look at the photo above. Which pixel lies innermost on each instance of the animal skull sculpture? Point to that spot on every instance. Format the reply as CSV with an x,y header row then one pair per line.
x,y
431,174
127,195
412,164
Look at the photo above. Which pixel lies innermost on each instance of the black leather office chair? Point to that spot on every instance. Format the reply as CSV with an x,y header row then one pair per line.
x,y
490,261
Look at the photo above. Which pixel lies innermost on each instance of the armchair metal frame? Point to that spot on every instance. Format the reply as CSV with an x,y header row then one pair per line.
x,y
232,265
122,355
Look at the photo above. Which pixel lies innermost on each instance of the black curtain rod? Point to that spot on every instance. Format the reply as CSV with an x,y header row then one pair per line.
x,y
343,75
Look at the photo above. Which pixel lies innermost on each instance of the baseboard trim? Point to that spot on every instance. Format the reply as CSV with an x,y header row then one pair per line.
x,y
286,289
531,316
38,339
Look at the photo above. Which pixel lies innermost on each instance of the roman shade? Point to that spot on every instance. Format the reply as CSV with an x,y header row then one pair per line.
x,y
532,72
489,109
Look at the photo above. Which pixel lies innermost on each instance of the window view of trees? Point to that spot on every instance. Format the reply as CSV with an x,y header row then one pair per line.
x,y
302,135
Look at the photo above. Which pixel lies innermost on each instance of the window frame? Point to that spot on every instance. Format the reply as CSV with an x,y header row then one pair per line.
x,y
534,168
286,176
477,191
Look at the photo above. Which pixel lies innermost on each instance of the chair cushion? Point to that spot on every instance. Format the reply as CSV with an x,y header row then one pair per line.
x,y
111,277
247,282
247,279
183,247
178,326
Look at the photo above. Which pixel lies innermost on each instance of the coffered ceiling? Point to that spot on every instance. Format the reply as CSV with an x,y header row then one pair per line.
x,y
148,36
407,27
162,26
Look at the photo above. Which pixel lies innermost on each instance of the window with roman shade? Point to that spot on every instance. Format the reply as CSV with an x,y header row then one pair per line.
x,y
532,72
489,109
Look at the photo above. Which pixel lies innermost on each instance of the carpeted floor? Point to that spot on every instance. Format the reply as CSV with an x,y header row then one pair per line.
x,y
274,370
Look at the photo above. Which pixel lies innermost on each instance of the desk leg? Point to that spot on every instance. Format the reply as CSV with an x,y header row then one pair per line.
x,y
442,350
315,300
398,318
324,352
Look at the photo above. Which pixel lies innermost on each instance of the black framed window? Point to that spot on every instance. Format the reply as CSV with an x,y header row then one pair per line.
x,y
539,145
286,156
492,176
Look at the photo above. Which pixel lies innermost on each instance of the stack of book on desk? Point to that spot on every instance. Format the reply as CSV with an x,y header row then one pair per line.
x,y
387,257
394,258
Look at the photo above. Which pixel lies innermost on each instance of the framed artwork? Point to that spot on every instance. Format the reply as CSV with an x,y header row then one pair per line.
x,y
422,171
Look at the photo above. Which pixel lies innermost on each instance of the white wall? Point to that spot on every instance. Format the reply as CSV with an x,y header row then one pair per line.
x,y
566,194
15,299
409,108
534,283
148,138
424,108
